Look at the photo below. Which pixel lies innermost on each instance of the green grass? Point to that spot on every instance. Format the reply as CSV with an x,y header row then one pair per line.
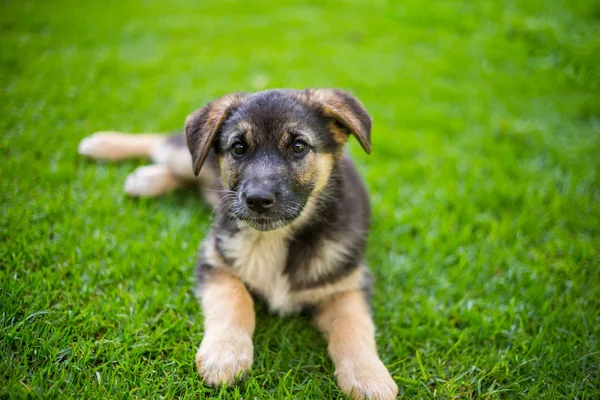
x,y
484,178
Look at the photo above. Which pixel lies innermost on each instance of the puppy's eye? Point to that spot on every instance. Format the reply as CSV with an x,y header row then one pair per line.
x,y
238,148
299,147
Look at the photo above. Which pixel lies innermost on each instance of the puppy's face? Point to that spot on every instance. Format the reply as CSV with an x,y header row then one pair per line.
x,y
276,150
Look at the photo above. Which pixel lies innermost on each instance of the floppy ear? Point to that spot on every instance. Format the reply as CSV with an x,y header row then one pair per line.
x,y
346,110
202,126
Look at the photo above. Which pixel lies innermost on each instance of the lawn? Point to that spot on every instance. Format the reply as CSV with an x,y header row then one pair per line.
x,y
484,180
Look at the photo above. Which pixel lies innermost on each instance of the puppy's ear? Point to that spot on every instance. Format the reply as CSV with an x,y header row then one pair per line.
x,y
346,111
202,126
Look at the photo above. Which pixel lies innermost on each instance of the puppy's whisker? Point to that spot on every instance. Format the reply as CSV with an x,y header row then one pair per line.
x,y
225,198
219,190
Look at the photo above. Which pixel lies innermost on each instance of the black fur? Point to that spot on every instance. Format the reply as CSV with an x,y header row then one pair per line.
x,y
343,212
203,270
266,124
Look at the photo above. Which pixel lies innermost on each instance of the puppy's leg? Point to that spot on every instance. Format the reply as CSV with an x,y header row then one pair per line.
x,y
115,146
172,168
169,172
173,163
151,181
226,350
346,323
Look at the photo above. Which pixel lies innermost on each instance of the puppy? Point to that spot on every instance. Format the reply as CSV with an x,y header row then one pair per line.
x,y
291,222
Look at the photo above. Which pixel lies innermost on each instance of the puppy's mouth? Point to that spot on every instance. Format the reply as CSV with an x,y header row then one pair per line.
x,y
264,225
268,221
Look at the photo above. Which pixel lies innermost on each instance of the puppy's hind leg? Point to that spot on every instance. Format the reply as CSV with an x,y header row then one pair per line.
x,y
147,181
151,181
172,168
175,155
114,146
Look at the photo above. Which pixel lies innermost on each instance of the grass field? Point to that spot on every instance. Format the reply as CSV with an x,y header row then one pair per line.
x,y
484,177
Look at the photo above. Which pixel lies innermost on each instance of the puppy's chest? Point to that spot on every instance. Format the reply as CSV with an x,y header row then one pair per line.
x,y
259,259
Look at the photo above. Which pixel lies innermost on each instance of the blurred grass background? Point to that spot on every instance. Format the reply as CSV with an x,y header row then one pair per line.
x,y
484,181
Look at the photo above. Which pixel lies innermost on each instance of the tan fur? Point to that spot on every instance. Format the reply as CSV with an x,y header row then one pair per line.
x,y
323,167
172,169
324,163
326,292
286,137
315,166
228,173
333,106
340,135
109,145
346,323
226,351
307,170
151,181
177,158
248,129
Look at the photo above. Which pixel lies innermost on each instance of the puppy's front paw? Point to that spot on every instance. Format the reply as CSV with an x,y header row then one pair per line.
x,y
366,378
221,360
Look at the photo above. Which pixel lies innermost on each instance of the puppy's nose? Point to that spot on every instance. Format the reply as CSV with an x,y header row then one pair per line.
x,y
260,200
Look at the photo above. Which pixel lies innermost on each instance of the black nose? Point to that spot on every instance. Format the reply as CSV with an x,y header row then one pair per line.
x,y
260,201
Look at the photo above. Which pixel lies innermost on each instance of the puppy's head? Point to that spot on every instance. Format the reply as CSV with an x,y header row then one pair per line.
x,y
277,148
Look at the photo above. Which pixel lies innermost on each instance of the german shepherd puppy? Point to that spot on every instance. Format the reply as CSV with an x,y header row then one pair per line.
x,y
292,217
